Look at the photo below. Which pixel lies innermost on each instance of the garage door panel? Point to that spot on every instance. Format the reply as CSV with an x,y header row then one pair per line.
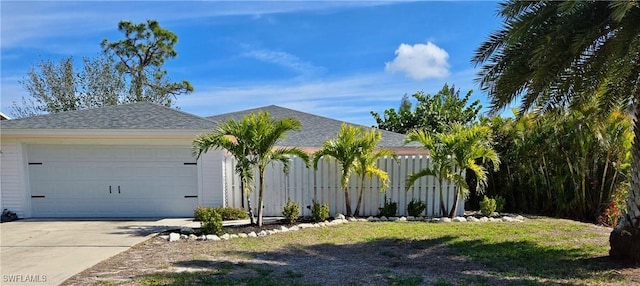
x,y
112,181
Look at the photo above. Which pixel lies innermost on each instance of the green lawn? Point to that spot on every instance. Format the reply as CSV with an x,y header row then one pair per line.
x,y
538,251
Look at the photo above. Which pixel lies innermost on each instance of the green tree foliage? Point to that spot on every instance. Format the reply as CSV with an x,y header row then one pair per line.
x,y
234,137
432,113
142,54
355,150
366,165
552,54
453,151
566,164
58,86
252,141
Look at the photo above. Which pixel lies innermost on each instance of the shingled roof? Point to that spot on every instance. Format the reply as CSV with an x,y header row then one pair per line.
x,y
315,129
141,115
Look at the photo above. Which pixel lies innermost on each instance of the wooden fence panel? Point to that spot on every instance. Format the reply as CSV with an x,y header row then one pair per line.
x,y
304,184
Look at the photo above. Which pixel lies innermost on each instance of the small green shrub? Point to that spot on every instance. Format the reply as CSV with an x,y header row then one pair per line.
x,y
319,212
291,211
199,212
487,206
211,222
229,213
416,207
389,209
500,202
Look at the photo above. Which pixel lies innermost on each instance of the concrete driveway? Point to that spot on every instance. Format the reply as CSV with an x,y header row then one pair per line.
x,y
47,252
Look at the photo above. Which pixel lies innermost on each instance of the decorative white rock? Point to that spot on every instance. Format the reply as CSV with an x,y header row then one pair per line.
x,y
459,219
402,219
212,237
252,234
242,235
484,219
174,236
283,228
339,216
383,218
472,219
233,236
445,219
305,225
294,228
262,233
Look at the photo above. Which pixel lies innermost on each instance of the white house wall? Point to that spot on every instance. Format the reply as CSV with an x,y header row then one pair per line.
x,y
210,177
12,178
13,161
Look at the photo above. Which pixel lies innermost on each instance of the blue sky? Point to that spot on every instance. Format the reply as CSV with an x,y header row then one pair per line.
x,y
336,59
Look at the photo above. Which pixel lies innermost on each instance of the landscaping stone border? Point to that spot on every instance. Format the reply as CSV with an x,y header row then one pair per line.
x,y
188,233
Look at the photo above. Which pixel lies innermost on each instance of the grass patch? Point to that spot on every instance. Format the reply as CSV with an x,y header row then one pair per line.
x,y
539,251
405,280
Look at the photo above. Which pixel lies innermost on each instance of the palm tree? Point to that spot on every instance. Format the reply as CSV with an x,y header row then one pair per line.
x,y
350,148
452,152
265,132
365,165
234,137
555,54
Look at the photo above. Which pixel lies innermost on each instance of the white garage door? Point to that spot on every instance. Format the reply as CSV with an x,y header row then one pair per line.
x,y
112,181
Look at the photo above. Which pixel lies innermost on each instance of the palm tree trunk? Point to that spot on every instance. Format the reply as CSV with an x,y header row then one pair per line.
x,y
443,208
243,184
454,208
357,211
625,238
347,201
260,198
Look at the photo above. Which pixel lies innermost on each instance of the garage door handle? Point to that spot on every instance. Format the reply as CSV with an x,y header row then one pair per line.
x,y
109,189
118,189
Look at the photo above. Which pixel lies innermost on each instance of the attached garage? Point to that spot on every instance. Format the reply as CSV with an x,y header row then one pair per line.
x,y
132,160
112,181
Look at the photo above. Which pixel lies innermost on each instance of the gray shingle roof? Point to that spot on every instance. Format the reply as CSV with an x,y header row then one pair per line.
x,y
315,129
141,115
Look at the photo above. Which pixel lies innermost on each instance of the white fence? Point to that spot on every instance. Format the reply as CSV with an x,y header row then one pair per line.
x,y
304,184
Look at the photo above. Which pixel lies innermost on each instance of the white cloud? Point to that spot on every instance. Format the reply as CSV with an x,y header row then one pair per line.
x,y
420,61
285,60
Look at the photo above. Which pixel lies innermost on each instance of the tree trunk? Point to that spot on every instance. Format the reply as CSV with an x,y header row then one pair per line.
x,y
260,198
248,196
454,208
357,212
443,208
347,201
625,238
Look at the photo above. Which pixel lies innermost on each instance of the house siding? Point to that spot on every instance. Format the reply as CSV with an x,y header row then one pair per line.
x,y
211,178
12,179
